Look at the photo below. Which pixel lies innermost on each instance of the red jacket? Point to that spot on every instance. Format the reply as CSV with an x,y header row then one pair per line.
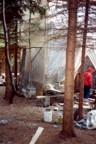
x,y
88,77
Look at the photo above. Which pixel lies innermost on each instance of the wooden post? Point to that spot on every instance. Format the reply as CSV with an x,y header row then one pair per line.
x,y
39,89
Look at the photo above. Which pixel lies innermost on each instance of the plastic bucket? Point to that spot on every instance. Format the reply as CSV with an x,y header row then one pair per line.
x,y
47,115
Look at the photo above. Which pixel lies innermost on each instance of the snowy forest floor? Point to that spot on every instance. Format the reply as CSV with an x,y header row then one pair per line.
x,y
23,118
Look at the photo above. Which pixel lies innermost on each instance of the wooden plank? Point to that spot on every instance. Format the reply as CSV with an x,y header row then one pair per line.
x,y
36,136
46,99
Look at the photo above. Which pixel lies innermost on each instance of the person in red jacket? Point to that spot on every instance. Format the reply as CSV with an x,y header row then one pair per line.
x,y
87,82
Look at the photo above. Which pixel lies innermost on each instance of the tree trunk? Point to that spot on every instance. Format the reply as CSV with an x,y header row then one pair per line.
x,y
68,120
9,92
16,54
29,59
81,95
22,72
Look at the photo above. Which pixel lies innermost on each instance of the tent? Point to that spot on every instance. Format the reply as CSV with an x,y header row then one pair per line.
x,y
45,60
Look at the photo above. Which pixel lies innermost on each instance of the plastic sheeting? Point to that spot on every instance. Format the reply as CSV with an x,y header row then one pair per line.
x,y
92,56
91,119
34,66
56,60
47,64
89,122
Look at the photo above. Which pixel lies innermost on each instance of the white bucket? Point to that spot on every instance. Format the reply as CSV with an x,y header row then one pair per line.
x,y
47,115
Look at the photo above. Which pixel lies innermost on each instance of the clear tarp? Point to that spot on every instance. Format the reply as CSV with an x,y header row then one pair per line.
x,y
45,62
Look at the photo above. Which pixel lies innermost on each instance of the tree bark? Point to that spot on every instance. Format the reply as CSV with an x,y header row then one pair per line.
x,y
9,92
68,120
22,73
81,95
16,54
